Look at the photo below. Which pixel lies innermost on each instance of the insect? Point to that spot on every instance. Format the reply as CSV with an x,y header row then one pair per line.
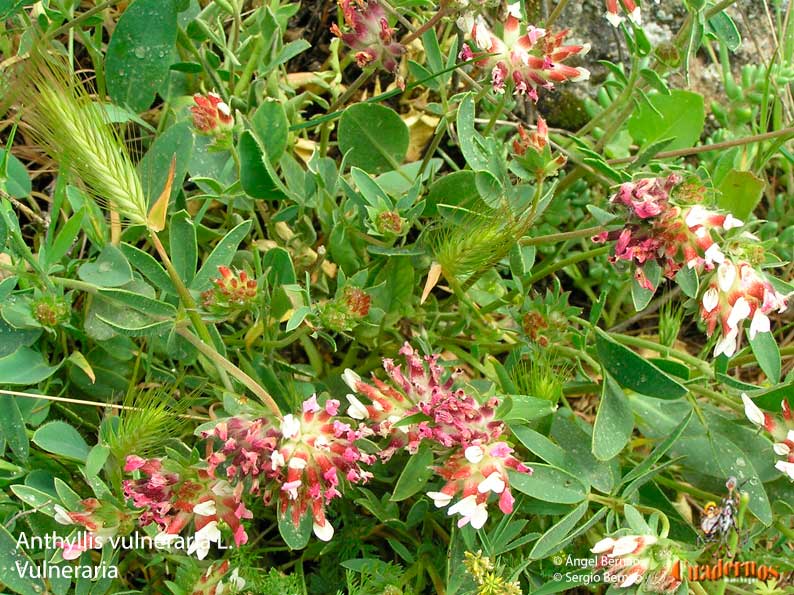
x,y
718,521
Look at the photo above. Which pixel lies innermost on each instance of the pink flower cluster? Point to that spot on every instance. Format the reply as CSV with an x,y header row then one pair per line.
x,y
614,13
782,432
172,497
471,444
369,34
736,293
528,62
657,230
298,462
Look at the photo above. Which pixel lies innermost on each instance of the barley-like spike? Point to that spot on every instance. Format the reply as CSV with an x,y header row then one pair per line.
x,y
77,133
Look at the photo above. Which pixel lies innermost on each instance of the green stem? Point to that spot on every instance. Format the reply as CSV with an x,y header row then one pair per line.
x,y
573,259
553,238
189,303
248,70
228,366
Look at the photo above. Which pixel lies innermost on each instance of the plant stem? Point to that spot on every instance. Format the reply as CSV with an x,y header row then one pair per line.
x,y
228,366
561,264
430,23
555,13
737,142
189,303
553,238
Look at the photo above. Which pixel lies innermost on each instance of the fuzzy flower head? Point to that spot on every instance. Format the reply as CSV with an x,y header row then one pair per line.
x,y
298,462
172,497
231,291
780,430
533,151
525,62
368,33
738,292
346,310
617,8
211,115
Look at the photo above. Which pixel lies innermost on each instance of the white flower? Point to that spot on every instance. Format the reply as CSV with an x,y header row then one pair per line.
x,y
276,460
785,467
636,17
710,299
759,324
200,545
739,312
726,275
323,532
440,499
473,454
604,545
731,222
714,254
752,411
236,582
470,512
696,216
493,483
482,36
782,449
297,463
614,19
62,515
222,488
205,508
351,379
514,10
728,344
290,426
357,410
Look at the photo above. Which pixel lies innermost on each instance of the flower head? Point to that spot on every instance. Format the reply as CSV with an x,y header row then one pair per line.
x,y
211,115
525,62
231,291
299,463
368,33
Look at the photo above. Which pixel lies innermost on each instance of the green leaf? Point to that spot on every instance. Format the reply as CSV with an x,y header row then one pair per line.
x,y
12,427
183,248
635,372
221,256
61,439
156,163
138,55
740,192
270,125
766,354
64,240
525,409
254,175
96,460
146,264
37,499
110,269
296,537
13,558
688,281
725,29
680,115
468,136
373,137
17,184
551,539
549,484
458,188
658,452
141,303
655,81
639,294
771,400
415,474
614,421
25,366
